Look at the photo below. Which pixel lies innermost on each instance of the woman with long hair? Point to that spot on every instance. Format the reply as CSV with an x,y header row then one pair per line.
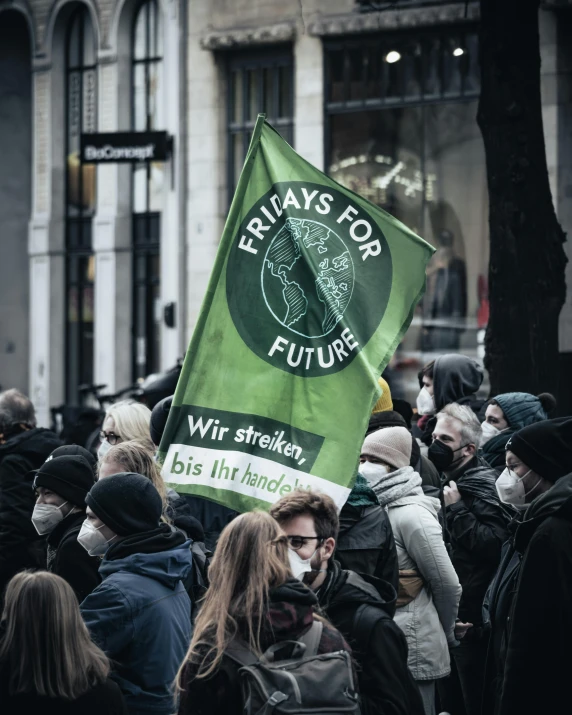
x,y
48,662
252,596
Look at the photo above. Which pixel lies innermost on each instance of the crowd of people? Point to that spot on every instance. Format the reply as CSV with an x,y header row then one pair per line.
x,y
443,585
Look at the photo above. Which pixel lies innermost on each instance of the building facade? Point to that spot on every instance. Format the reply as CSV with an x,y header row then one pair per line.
x,y
108,264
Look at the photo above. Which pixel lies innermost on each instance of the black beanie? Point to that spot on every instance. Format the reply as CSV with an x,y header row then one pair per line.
x,y
159,416
545,447
74,450
380,420
127,503
71,477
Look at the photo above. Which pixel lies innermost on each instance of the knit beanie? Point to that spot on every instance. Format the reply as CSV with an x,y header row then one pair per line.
x,y
382,420
127,503
70,477
384,403
74,450
391,445
545,447
521,409
362,494
159,416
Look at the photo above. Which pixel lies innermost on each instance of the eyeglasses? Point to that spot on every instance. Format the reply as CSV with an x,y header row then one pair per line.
x,y
111,437
297,542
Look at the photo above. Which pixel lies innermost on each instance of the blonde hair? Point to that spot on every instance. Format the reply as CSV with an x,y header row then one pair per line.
x,y
131,419
251,558
46,648
134,456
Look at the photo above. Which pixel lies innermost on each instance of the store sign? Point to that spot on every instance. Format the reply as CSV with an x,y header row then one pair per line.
x,y
125,147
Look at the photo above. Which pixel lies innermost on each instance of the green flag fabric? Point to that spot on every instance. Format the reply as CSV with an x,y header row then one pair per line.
x,y
312,290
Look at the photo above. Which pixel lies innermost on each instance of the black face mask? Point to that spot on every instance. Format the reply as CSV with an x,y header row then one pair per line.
x,y
442,456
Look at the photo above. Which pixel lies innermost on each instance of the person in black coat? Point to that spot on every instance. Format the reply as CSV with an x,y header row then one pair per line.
x,y
48,663
365,540
529,601
61,485
476,528
23,448
360,607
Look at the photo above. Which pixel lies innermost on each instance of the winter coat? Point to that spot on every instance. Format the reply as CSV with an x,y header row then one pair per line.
x,y
379,646
497,607
140,615
428,621
365,541
20,545
103,699
67,558
290,613
539,657
476,531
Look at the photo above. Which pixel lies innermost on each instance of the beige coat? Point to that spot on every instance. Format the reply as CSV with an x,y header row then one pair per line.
x,y
429,620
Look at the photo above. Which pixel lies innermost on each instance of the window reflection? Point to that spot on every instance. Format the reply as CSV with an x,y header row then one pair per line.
x,y
406,138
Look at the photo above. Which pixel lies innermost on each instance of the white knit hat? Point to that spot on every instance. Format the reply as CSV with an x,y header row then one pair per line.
x,y
392,445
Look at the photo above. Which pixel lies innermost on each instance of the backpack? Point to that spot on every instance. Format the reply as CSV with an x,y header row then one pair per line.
x,y
291,678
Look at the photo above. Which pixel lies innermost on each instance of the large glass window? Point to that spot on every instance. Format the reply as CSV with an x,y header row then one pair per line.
x,y
81,116
402,132
257,82
147,189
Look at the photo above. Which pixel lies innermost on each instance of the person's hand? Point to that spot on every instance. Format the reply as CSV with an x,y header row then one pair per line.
x,y
451,494
461,629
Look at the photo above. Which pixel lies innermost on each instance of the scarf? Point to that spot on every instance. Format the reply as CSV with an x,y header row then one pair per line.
x,y
395,485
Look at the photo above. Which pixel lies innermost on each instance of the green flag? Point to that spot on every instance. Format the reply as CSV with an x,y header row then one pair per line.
x,y
312,289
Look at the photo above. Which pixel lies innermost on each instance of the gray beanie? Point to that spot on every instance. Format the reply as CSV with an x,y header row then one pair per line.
x,y
391,445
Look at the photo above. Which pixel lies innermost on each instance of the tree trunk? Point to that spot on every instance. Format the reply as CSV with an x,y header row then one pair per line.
x,y
527,261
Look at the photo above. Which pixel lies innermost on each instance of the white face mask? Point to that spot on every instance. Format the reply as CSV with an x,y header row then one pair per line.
x,y
373,472
510,488
92,540
489,431
104,448
425,402
46,517
298,565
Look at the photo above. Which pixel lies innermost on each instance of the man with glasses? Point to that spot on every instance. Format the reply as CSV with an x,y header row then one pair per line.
x,y
361,608
529,601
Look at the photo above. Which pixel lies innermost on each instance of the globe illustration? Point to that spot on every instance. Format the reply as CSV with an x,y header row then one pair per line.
x,y
307,277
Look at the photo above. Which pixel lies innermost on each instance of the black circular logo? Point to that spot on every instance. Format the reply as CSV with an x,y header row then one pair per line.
x,y
308,278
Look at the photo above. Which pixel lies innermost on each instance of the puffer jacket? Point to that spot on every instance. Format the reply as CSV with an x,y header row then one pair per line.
x,y
428,621
140,615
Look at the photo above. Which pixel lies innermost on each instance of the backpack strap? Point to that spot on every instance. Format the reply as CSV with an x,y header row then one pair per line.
x,y
238,652
311,639
365,619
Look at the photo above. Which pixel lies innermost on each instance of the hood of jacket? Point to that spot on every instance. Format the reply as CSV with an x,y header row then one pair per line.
x,y
456,378
557,501
162,554
35,445
347,587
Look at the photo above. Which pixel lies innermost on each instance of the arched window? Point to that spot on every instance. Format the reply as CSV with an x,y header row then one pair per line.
x,y
148,178
81,117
